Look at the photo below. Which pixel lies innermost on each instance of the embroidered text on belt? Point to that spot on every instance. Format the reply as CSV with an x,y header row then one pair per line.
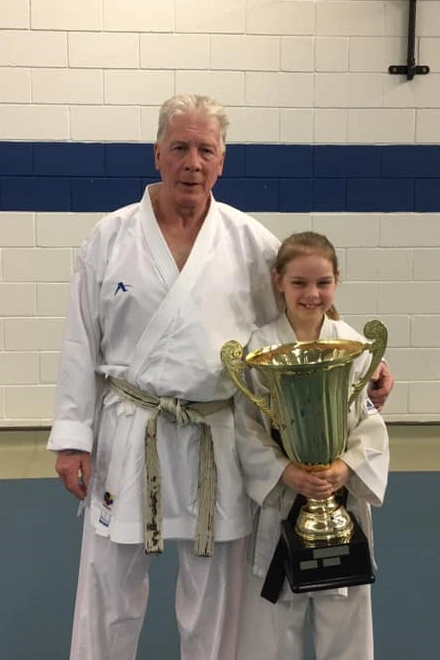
x,y
181,413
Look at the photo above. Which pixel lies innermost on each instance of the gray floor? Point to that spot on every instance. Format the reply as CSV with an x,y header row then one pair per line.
x,y
39,547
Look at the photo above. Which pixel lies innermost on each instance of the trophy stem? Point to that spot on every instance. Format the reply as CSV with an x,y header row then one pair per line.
x,y
324,520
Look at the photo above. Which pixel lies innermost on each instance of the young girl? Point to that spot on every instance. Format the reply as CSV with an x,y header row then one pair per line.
x,y
306,274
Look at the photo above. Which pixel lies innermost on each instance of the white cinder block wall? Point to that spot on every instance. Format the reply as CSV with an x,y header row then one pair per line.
x,y
290,71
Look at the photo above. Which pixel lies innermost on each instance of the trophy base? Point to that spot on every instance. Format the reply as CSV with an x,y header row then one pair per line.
x,y
325,564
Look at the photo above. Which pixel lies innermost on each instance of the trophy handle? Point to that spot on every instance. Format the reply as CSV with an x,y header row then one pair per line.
x,y
232,359
376,331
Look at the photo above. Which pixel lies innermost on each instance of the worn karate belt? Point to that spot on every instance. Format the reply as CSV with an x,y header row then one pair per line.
x,y
181,413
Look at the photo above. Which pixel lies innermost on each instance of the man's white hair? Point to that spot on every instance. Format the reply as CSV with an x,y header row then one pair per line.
x,y
185,103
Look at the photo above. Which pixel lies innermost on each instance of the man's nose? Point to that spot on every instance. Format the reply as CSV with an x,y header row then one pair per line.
x,y
192,161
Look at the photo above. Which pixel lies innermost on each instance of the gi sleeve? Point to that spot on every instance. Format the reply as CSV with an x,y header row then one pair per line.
x,y
78,382
367,455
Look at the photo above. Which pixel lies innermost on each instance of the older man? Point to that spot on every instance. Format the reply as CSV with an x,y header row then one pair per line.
x,y
143,424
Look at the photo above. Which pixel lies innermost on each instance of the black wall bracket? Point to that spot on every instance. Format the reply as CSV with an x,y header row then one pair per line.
x,y
410,69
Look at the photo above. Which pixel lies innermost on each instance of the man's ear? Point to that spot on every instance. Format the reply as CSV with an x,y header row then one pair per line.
x,y
156,151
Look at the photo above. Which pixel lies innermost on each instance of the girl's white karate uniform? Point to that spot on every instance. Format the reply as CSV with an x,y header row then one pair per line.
x,y
341,618
134,316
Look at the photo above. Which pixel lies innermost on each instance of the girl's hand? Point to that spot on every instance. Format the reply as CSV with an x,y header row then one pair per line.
x,y
317,484
337,474
309,483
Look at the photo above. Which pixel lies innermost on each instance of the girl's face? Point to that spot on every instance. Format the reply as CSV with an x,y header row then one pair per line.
x,y
308,284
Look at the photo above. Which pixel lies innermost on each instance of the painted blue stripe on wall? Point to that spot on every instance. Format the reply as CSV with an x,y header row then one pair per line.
x,y
70,176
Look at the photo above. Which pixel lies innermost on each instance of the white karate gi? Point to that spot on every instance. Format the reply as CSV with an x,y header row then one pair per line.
x,y
341,618
134,316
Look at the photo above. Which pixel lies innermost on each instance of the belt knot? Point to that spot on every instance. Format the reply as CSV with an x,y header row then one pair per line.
x,y
178,412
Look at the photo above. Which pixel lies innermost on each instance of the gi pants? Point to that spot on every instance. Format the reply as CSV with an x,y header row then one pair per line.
x,y
341,626
113,590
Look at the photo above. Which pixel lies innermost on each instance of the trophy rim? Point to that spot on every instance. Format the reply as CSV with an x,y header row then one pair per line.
x,y
257,357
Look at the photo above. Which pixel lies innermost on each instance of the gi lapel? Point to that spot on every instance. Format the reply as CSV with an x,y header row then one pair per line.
x,y
180,284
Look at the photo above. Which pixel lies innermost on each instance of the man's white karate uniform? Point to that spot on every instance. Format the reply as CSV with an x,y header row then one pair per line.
x,y
134,316
341,618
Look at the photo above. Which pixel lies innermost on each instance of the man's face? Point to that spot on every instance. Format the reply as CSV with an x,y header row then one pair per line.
x,y
190,159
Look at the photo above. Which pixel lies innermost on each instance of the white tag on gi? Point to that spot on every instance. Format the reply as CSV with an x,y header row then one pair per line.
x,y
104,517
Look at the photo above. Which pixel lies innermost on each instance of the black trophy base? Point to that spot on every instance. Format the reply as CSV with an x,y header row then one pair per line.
x,y
325,565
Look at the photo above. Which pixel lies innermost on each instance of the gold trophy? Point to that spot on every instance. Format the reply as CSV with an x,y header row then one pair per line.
x,y
308,384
